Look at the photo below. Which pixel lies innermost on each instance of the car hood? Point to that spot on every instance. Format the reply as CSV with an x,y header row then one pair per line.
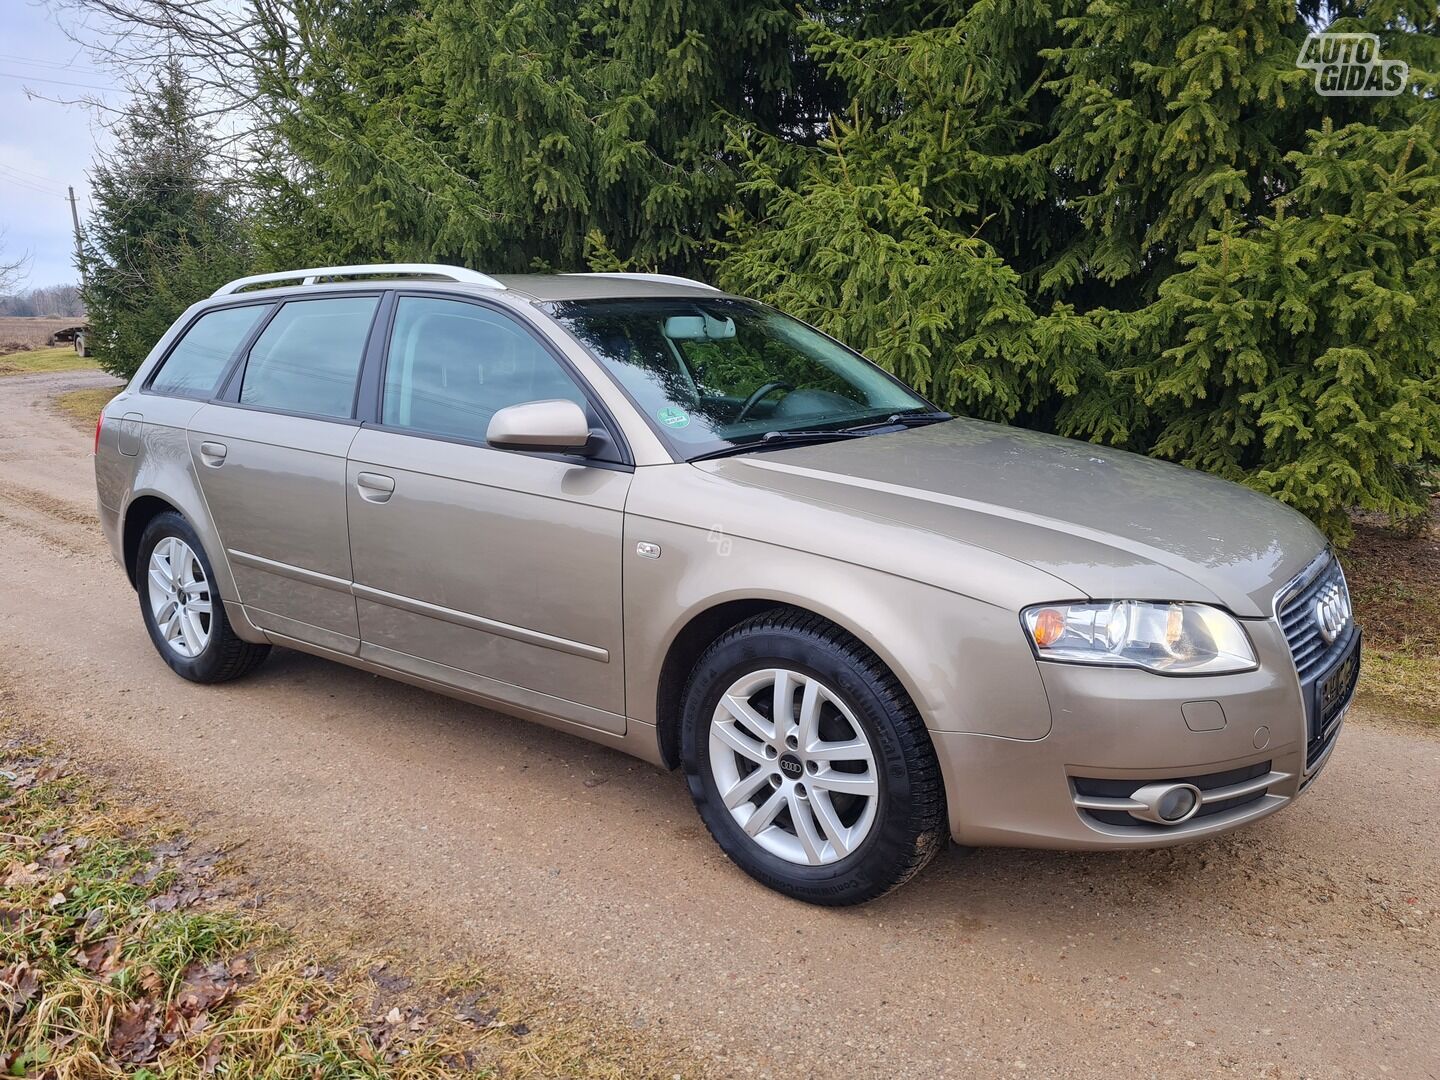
x,y
1113,525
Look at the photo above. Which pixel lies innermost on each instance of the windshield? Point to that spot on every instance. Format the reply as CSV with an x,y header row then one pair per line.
x,y
718,374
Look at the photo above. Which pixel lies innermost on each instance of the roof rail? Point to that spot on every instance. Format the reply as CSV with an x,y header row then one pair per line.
x,y
669,279
314,273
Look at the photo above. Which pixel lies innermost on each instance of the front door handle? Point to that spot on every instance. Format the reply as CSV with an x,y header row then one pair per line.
x,y
374,487
212,454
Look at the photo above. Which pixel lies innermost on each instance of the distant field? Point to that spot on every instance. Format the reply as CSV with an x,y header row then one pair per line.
x,y
26,333
30,361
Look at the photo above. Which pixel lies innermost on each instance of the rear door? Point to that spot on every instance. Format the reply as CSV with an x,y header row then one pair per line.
x,y
489,570
270,455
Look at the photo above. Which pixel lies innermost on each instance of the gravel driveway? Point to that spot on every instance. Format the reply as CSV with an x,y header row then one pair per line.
x,y
1305,945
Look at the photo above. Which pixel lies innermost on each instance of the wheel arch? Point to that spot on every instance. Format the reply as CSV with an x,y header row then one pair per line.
x,y
705,627
148,503
684,650
142,510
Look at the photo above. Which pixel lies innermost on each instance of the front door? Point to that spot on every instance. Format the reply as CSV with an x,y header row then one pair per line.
x,y
271,463
492,571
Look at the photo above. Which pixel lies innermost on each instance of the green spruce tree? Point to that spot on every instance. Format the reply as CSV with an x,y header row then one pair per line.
x,y
1127,221
165,229
1132,222
520,134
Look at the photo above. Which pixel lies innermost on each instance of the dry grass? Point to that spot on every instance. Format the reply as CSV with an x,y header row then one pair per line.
x,y
1406,684
83,406
22,332
126,952
60,358
1395,582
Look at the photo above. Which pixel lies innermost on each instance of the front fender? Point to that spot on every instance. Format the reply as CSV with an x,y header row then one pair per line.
x,y
964,661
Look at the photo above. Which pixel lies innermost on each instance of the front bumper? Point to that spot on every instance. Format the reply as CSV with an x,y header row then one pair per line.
x,y
1242,739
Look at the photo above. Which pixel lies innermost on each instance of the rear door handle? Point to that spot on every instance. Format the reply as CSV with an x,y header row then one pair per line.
x,y
374,487
212,454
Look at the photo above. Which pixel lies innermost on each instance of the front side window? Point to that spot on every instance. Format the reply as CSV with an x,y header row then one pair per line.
x,y
308,358
194,366
453,365
714,375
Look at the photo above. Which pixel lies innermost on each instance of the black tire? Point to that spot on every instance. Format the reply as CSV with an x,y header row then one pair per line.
x,y
225,656
910,824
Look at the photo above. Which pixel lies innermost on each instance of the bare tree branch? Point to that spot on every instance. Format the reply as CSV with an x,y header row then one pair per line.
x,y
12,273
227,47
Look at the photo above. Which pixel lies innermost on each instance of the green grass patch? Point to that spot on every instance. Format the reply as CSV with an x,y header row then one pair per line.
x,y
33,361
1403,683
83,406
125,953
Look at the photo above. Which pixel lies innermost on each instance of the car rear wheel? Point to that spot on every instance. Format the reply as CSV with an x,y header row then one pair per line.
x,y
808,763
182,609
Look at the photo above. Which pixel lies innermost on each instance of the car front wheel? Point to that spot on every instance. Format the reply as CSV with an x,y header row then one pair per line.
x,y
808,763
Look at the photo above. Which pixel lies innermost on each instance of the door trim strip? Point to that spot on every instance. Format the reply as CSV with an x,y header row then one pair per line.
x,y
476,622
420,607
295,573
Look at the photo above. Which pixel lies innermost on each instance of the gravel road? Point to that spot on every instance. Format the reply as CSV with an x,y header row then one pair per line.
x,y
1306,945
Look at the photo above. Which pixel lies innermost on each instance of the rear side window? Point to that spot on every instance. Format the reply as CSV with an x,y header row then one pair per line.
x,y
453,365
308,358
194,366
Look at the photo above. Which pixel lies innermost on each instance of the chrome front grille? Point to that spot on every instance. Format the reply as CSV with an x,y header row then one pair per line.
x,y
1316,617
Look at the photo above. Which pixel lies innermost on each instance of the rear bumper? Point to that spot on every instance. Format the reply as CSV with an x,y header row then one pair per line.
x,y
1241,739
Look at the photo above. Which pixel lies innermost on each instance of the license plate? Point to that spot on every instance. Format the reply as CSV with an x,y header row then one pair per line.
x,y
1335,691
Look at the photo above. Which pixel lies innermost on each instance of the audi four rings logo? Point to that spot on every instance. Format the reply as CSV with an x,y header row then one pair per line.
x,y
1332,612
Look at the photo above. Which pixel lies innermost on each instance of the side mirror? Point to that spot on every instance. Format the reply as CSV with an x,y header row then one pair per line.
x,y
554,426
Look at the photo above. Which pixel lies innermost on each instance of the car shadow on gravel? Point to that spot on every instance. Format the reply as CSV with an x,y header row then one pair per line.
x,y
1308,871
1294,878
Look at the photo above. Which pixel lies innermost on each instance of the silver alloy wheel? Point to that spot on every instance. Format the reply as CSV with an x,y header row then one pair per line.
x,y
793,766
180,597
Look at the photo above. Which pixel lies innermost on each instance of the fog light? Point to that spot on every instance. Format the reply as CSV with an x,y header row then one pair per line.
x,y
1165,803
1177,804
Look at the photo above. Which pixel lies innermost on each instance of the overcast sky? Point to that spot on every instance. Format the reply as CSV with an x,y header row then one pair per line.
x,y
44,145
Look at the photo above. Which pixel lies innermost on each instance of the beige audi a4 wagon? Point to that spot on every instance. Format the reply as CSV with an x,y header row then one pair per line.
x,y
684,525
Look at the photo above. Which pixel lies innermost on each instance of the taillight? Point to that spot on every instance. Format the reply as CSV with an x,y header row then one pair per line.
x,y
98,421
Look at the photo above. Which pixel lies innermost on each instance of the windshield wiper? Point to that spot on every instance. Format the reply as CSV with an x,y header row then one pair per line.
x,y
776,439
906,419
773,440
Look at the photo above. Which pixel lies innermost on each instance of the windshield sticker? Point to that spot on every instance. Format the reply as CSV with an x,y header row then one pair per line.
x,y
673,417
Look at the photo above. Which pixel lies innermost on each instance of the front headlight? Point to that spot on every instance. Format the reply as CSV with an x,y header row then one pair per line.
x,y
1175,639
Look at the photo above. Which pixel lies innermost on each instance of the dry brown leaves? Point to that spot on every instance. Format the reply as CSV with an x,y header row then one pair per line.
x,y
18,984
143,1029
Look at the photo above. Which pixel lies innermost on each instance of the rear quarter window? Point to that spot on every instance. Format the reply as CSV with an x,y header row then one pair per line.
x,y
202,355
308,359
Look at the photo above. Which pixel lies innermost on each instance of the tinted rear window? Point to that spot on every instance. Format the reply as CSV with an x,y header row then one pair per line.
x,y
195,365
308,358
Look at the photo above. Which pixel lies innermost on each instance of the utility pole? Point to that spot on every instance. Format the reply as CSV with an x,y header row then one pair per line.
x,y
79,242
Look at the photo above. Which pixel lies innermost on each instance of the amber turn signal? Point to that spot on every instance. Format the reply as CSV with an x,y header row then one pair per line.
x,y
1049,625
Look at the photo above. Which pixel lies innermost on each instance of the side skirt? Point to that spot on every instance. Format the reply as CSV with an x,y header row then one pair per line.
x,y
634,737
